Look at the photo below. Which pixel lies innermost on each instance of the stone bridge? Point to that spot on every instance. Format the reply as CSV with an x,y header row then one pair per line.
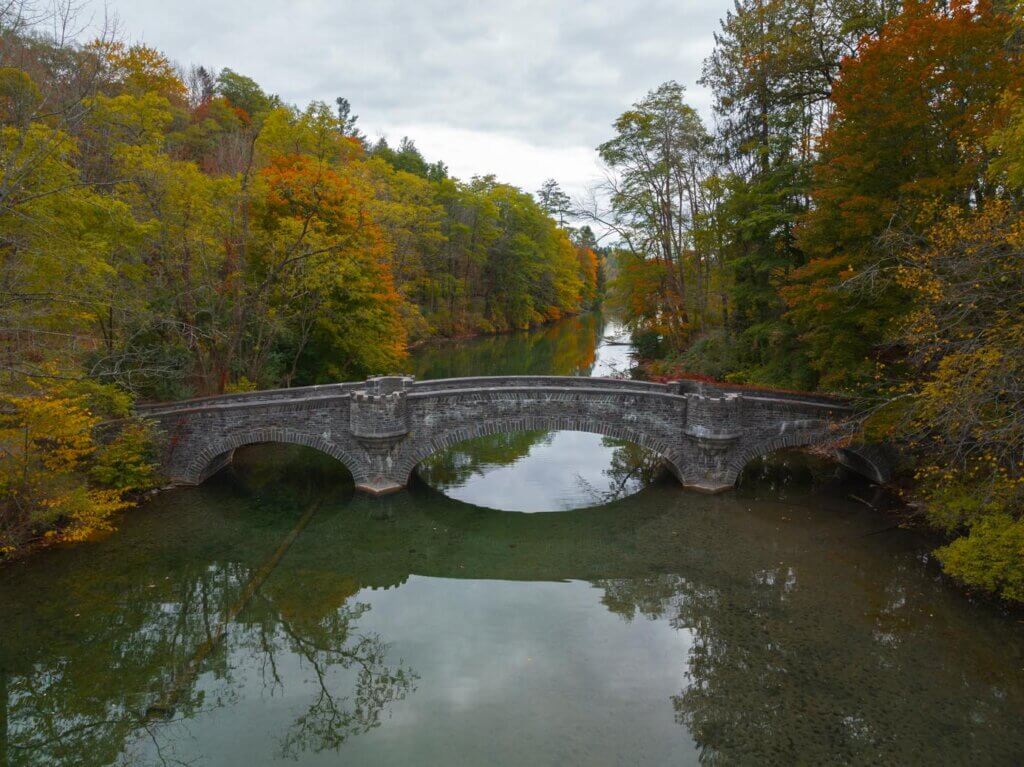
x,y
383,427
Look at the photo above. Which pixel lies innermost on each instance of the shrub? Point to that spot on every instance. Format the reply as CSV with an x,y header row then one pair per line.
x,y
990,556
57,481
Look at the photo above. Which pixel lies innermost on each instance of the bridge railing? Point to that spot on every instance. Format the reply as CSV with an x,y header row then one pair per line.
x,y
703,388
420,388
516,382
263,395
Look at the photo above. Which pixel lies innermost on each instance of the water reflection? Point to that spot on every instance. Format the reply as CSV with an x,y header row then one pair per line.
x,y
270,615
565,348
662,628
538,470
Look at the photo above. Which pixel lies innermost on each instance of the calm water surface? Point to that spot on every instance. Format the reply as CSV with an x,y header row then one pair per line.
x,y
271,616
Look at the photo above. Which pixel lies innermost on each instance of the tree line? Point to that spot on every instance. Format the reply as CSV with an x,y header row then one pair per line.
x,y
167,233
851,222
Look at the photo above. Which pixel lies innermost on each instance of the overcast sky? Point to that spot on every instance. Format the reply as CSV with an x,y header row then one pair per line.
x,y
524,89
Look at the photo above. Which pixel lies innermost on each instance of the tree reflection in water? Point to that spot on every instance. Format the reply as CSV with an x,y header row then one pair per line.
x,y
453,467
775,678
631,469
329,645
565,348
144,614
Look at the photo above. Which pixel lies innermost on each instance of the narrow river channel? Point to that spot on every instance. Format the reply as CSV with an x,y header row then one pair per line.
x,y
533,599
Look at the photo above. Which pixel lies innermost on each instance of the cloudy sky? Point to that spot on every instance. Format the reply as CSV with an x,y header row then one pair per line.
x,y
524,89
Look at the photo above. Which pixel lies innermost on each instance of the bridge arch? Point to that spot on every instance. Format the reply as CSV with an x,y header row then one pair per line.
x,y
860,459
422,449
217,454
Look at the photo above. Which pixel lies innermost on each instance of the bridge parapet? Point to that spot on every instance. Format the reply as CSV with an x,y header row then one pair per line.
x,y
252,397
707,389
560,382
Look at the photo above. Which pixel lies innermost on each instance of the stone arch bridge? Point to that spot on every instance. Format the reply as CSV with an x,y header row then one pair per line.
x,y
383,427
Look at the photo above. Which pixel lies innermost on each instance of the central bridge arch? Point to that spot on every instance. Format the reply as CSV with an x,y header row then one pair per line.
x,y
445,440
457,411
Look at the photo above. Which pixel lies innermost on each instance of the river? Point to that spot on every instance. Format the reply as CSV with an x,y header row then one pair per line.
x,y
532,599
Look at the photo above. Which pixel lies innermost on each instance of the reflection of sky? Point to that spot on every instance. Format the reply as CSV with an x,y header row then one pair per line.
x,y
615,358
565,471
527,673
510,673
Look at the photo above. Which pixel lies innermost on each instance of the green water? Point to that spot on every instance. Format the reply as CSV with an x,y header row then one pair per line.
x,y
785,623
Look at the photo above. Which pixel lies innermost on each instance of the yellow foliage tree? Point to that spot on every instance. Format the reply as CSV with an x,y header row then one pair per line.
x,y
57,480
141,69
964,415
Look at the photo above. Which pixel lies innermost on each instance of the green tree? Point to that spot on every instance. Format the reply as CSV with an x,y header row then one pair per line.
x,y
660,158
245,93
772,72
554,201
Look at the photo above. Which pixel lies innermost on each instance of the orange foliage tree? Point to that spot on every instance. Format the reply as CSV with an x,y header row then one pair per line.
x,y
322,247
912,112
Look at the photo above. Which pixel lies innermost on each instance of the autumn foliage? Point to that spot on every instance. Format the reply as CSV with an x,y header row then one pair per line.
x,y
165,234
58,479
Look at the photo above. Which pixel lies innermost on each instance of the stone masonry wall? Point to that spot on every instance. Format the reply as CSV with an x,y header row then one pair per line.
x,y
382,428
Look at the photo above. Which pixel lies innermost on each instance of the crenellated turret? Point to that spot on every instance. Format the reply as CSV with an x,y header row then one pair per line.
x,y
380,411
